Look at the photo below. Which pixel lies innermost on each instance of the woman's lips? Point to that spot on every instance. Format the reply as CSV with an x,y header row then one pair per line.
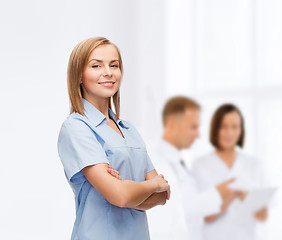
x,y
107,84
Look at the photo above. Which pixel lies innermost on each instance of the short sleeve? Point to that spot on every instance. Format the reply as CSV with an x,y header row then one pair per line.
x,y
78,148
150,166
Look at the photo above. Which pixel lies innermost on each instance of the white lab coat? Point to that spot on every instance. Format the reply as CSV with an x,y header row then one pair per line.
x,y
182,216
209,171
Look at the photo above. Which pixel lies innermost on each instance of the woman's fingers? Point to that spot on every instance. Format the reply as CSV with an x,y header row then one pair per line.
x,y
168,195
241,195
114,173
165,185
261,215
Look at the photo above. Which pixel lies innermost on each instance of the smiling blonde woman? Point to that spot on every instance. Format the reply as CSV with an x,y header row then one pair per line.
x,y
104,158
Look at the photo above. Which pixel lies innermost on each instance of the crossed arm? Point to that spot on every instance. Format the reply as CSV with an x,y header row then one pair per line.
x,y
125,193
156,198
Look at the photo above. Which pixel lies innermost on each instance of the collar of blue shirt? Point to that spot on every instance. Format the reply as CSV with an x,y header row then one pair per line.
x,y
93,114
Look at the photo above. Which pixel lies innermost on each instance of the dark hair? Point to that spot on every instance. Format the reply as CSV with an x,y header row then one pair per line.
x,y
217,120
177,105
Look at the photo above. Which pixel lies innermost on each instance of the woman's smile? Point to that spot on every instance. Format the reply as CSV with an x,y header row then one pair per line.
x,y
107,84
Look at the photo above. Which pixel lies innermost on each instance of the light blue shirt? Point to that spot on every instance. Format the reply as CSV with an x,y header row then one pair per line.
x,y
88,140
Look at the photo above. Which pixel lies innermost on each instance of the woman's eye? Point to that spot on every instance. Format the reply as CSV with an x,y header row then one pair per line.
x,y
114,66
95,66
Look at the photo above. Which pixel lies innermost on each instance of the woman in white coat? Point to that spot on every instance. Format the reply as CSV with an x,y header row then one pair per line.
x,y
226,133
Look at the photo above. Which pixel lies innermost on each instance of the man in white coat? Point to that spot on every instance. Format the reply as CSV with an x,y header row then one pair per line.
x,y
182,216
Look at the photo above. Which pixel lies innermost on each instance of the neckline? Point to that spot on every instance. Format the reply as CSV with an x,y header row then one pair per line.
x,y
97,117
117,125
223,162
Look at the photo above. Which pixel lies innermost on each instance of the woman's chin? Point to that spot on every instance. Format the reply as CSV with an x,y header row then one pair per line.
x,y
227,147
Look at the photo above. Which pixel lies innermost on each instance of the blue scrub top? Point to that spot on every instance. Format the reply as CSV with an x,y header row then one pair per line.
x,y
88,140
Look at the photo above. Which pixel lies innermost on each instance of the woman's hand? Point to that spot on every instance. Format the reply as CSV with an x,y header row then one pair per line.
x,y
227,195
161,184
114,172
261,215
241,195
225,192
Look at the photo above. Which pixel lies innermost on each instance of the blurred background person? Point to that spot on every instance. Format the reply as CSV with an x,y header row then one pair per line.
x,y
228,131
182,217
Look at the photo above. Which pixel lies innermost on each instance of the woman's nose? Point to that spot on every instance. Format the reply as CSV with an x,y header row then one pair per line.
x,y
107,72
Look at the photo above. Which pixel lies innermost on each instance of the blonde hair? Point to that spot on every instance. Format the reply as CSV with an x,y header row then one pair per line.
x,y
77,62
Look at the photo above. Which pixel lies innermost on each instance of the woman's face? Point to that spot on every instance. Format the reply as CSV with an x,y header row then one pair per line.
x,y
102,76
230,131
